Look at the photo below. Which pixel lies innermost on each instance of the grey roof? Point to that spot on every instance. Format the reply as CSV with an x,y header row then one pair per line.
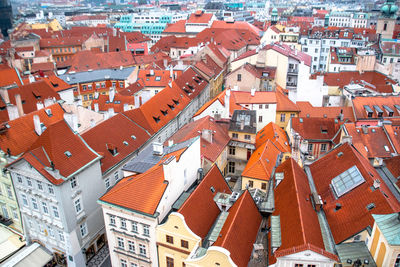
x,y
276,241
146,159
389,224
245,118
355,251
97,75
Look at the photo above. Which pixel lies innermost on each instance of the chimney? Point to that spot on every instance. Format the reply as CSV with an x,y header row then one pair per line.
x,y
377,183
111,95
347,139
137,104
165,63
151,72
171,72
12,111
157,149
253,91
96,107
19,105
207,135
170,142
4,95
31,78
36,123
72,121
364,129
114,32
338,206
227,102
111,112
48,102
242,124
126,107
92,123
39,105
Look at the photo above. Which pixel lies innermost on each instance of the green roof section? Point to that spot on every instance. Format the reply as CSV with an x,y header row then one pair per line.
x,y
389,224
276,240
353,252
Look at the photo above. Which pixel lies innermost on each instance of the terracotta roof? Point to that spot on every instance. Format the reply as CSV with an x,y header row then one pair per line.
x,y
308,110
246,54
20,133
284,103
354,215
359,104
104,104
267,72
371,142
140,193
391,48
240,229
393,165
232,39
381,83
260,97
275,134
61,42
132,89
177,27
102,135
44,66
220,137
262,162
240,25
52,147
9,76
199,209
56,83
298,220
200,17
315,128
289,52
160,78
393,133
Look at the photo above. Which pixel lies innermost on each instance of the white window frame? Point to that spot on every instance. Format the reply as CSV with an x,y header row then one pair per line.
x,y
56,213
78,204
73,182
83,229
120,243
45,207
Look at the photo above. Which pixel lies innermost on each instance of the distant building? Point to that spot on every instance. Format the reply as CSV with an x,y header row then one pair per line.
x,y
5,17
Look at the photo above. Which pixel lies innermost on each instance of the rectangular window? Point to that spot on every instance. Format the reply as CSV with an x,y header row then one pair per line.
x,y
259,118
260,106
114,84
83,228
283,117
73,182
251,184
239,77
235,135
40,185
55,212
97,86
323,147
116,176
184,244
264,186
34,204
121,84
120,242
170,262
231,167
45,208
78,206
90,87
51,232
107,182
19,178
232,150
84,87
9,192
292,115
15,214
142,249
310,147
169,239
131,246
123,263
103,85
123,223
298,265
134,227
247,137
146,230
61,236
50,188
266,106
112,219
29,181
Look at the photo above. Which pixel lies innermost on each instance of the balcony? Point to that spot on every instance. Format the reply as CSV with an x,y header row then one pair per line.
x,y
291,85
293,71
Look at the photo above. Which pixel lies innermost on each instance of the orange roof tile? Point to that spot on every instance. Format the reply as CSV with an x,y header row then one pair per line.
x,y
316,128
199,17
262,162
284,103
308,110
240,229
276,135
360,102
199,209
353,216
9,76
104,104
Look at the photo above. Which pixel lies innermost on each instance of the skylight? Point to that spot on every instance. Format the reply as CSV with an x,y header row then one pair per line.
x,y
346,181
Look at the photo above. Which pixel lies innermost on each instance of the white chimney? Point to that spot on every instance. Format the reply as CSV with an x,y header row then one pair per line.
x,y
4,95
126,107
171,72
207,135
114,32
39,105
111,112
377,183
157,148
111,95
36,123
31,78
18,101
48,102
96,107
12,111
92,123
227,102
151,72
170,142
137,103
252,91
72,121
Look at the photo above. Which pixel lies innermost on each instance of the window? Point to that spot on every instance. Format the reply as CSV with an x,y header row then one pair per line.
x,y
259,118
61,236
5,211
266,106
347,180
114,84
264,186
51,232
15,213
131,246
385,26
231,167
235,135
19,178
97,86
84,87
169,239
116,176
83,228
90,87
146,230
310,147
112,219
9,192
50,188
34,204
239,77
121,84
123,223
40,185
311,265
120,242
232,150
78,206
45,208
292,115
107,182
134,227
55,212
73,182
298,265
103,85
184,244
251,184
170,262
283,117
123,263
29,181
142,249
134,264
247,137
323,147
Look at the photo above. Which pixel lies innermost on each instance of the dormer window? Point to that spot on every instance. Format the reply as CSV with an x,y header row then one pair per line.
x,y
112,149
68,154
164,112
171,107
347,180
176,102
156,119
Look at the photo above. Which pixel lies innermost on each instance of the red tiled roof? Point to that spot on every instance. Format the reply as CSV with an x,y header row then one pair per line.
x,y
200,17
284,103
373,138
141,192
393,165
260,97
240,25
117,104
371,101
308,110
316,128
289,52
56,83
199,209
391,48
132,89
305,247
231,39
104,133
9,76
220,137
51,147
393,133
258,72
262,162
177,27
44,66
61,42
240,229
21,132
353,216
275,134
299,221
160,78
246,54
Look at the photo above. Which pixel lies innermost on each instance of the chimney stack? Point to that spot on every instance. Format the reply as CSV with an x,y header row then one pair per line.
x,y
12,111
72,121
253,91
207,135
157,149
19,105
227,102
96,107
126,107
36,123
111,95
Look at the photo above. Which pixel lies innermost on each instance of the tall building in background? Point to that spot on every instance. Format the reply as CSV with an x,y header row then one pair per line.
x,y
5,16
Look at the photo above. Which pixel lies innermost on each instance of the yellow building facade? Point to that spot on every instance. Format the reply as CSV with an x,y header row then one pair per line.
x,y
214,256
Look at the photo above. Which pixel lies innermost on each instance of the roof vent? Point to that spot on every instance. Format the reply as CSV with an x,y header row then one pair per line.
x,y
338,206
370,206
133,137
68,154
339,154
125,143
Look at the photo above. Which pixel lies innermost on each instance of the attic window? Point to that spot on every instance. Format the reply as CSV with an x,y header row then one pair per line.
x,y
158,78
156,119
133,137
212,189
113,149
370,206
164,112
346,181
171,107
125,143
68,154
48,112
324,129
176,102
190,87
386,148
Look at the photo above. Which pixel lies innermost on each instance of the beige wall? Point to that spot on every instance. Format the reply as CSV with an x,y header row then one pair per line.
x,y
215,256
256,183
383,253
247,82
388,34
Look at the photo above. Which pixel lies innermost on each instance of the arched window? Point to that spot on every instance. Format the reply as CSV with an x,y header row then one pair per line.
x,y
397,263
